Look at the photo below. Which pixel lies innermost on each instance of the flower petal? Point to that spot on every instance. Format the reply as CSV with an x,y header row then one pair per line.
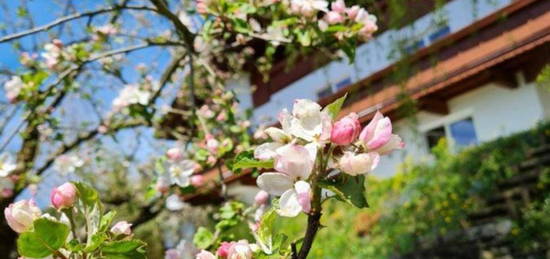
x,y
267,151
303,190
274,183
289,206
294,160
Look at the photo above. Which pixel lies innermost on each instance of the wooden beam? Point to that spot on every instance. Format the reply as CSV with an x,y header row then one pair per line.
x,y
434,105
505,79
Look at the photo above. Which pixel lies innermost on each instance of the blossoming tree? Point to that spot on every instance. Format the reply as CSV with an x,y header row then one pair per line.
x,y
313,156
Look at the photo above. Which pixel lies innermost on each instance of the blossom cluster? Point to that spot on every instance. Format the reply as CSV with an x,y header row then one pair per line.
x,y
7,178
307,136
68,199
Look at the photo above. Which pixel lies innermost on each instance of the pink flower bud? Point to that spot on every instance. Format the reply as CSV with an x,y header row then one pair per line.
x,y
162,185
63,196
205,255
240,250
122,228
197,180
261,197
377,133
333,17
102,129
221,117
212,145
57,43
6,192
20,215
346,130
223,250
353,11
338,6
174,154
357,164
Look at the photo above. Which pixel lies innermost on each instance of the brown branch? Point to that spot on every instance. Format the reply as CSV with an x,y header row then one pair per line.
x,y
182,30
75,16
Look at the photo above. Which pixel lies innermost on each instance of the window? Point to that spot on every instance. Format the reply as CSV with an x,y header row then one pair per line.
x,y
439,33
433,136
343,83
463,133
327,91
414,47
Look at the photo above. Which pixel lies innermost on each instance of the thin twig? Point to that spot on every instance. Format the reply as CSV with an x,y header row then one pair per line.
x,y
70,18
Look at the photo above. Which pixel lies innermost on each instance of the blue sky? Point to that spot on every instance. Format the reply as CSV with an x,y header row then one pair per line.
x,y
43,12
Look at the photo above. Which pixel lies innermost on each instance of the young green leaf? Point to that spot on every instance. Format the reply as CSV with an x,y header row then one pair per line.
x,y
86,194
47,237
334,108
124,249
246,160
348,189
203,238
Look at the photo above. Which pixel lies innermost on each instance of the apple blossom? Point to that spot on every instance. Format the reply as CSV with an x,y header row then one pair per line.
x,y
377,133
53,54
63,196
67,163
20,215
13,88
181,172
261,197
212,144
333,17
357,164
395,142
162,185
205,255
27,59
338,6
294,163
130,94
309,122
107,29
6,165
353,11
122,228
174,154
346,130
198,180
308,7
240,250
205,112
223,250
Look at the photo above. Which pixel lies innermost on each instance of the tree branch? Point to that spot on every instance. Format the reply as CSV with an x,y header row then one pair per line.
x,y
184,33
70,18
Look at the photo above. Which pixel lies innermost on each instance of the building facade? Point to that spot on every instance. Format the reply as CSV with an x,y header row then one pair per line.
x,y
470,69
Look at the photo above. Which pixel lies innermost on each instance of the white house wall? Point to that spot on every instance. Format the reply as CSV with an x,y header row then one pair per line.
x,y
496,111
376,54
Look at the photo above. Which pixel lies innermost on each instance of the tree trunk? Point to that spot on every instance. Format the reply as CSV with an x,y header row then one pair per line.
x,y
7,235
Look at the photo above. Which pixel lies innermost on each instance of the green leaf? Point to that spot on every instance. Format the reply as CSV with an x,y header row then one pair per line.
x,y
348,189
95,241
47,237
74,246
203,238
334,108
246,160
86,193
106,220
124,249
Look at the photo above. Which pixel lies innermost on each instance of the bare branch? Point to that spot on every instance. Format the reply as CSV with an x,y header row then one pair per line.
x,y
182,30
70,18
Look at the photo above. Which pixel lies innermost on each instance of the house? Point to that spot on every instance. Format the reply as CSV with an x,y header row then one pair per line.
x,y
470,75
